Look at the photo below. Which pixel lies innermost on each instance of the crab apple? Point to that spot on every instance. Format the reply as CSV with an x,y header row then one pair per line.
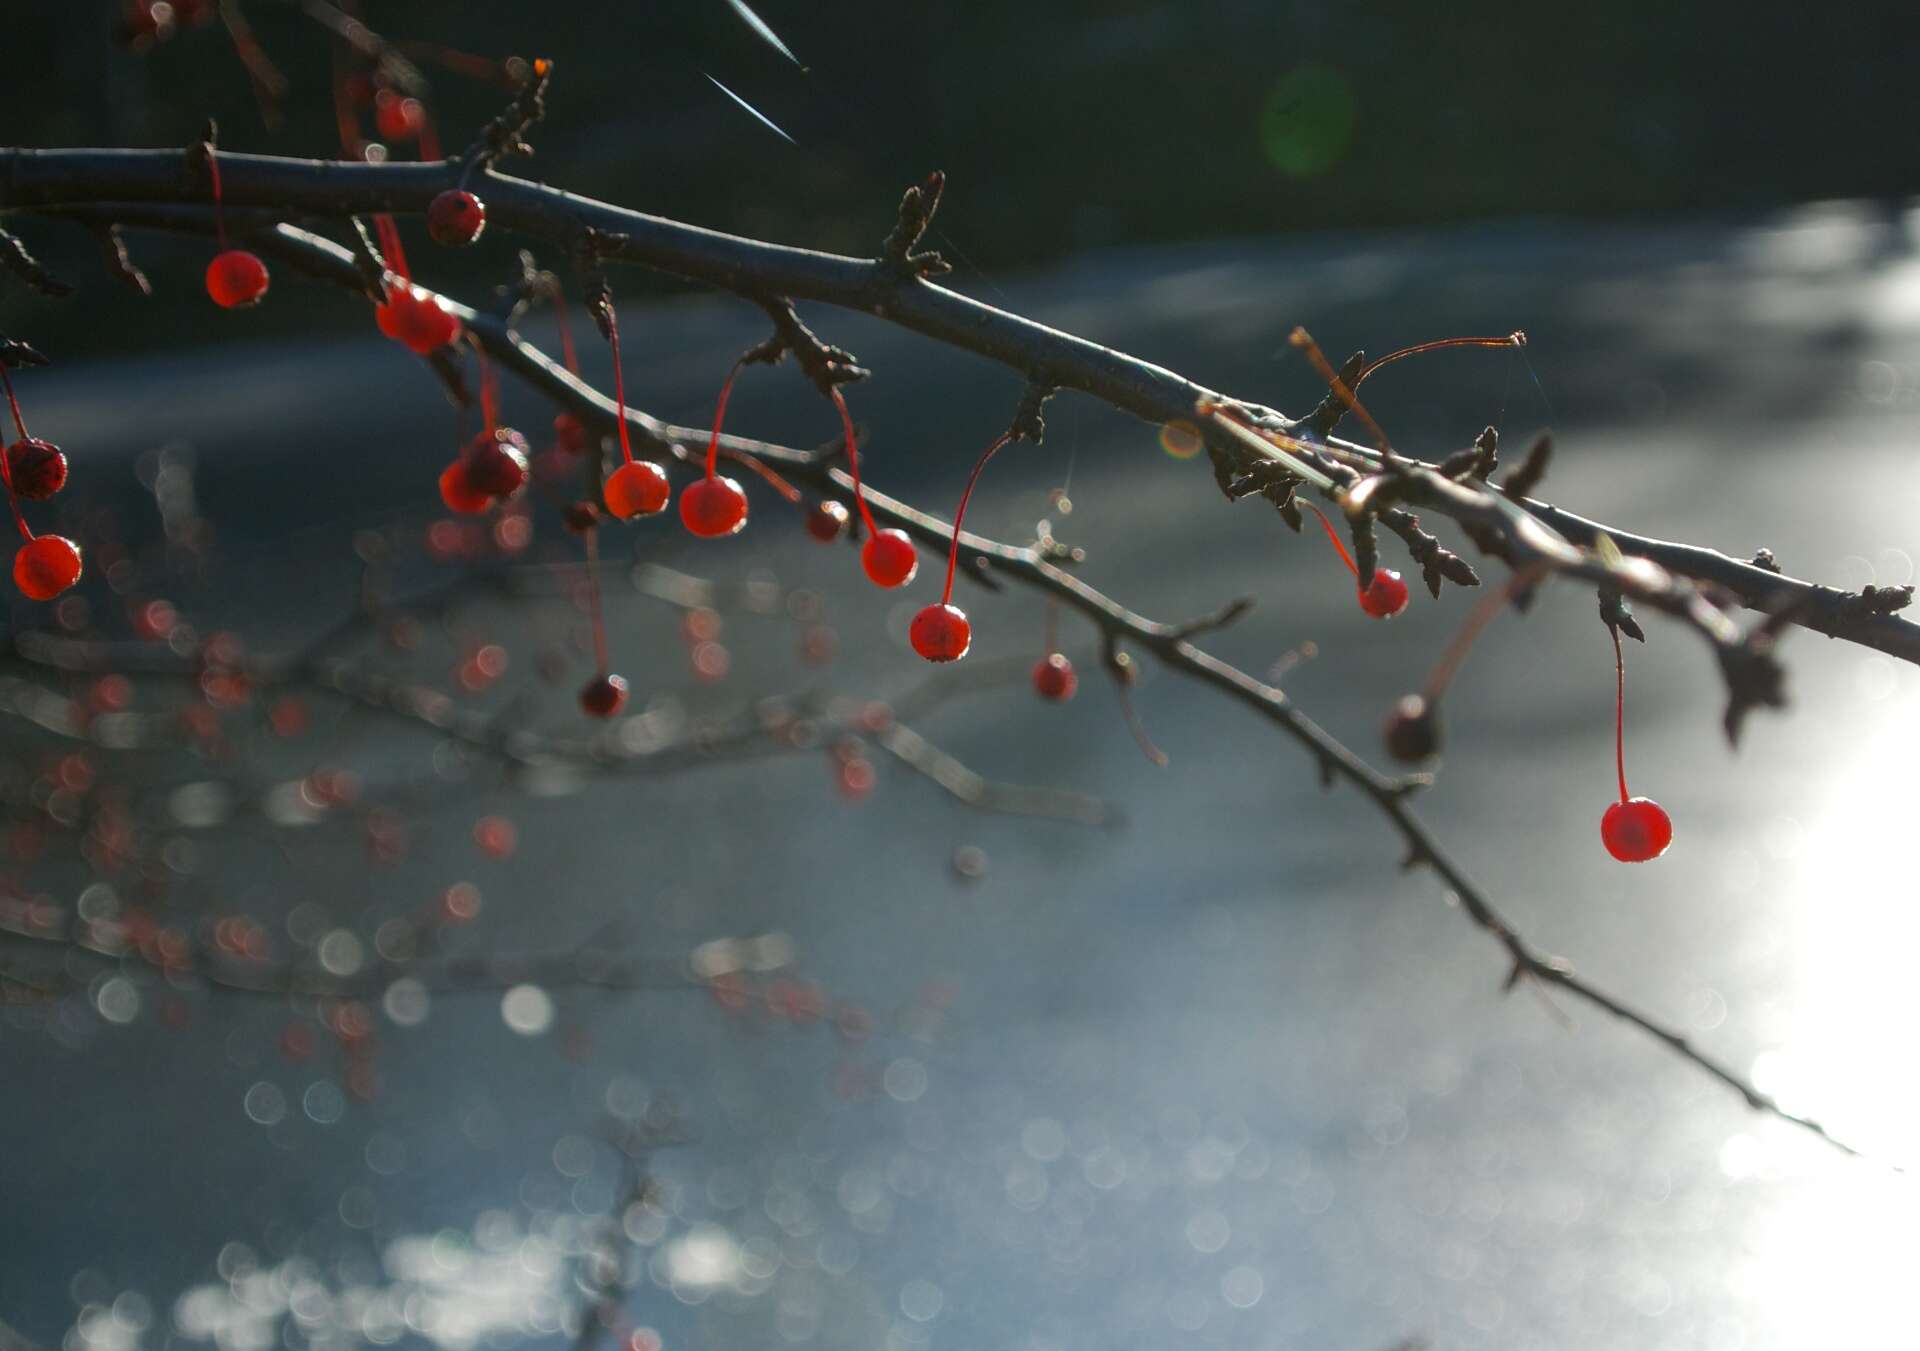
x,y
46,566
1054,678
1636,830
827,521
458,491
236,279
497,464
456,217
396,117
941,633
640,488
416,319
888,558
1386,597
1412,731
604,695
36,469
714,507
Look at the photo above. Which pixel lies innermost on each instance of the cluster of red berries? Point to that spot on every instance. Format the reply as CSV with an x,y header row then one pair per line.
x,y
45,565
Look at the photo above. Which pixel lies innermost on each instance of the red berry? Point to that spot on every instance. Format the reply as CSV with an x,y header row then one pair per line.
x,y
941,633
713,507
640,488
1412,732
46,566
236,279
1054,678
1636,830
429,325
889,558
456,217
580,517
36,469
604,696
458,492
827,521
1387,596
497,464
418,320
398,119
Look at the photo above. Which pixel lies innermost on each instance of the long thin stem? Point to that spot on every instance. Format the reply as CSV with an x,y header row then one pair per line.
x,y
620,382
13,401
1620,714
1513,339
1477,619
6,460
719,418
853,466
219,207
593,601
567,351
1339,545
959,512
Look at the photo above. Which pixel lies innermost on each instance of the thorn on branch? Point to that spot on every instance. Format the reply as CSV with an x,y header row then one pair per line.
x,y
1754,680
506,134
916,214
1326,416
121,261
1231,613
29,269
1487,444
1522,481
822,363
1765,561
18,355
1029,419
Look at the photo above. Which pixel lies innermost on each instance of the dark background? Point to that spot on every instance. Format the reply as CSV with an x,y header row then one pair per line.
x,y
1069,126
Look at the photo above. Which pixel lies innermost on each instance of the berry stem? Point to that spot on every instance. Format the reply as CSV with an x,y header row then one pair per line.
x,y
1339,545
959,513
620,383
6,466
13,401
390,245
1513,339
593,603
219,207
853,461
489,392
767,472
568,352
1052,609
719,418
1620,713
1477,619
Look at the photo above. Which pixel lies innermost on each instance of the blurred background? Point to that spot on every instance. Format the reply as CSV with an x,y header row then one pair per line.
x,y
1209,1069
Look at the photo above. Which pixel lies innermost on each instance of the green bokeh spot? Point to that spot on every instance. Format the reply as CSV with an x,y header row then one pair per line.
x,y
1307,121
